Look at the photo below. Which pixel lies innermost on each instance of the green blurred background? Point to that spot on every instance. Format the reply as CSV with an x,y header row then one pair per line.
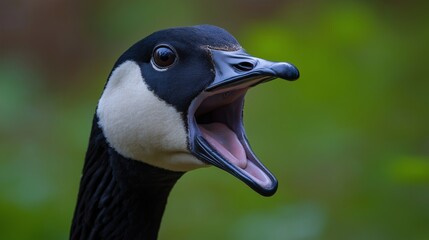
x,y
348,141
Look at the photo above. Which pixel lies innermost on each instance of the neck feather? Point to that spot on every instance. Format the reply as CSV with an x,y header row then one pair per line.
x,y
119,198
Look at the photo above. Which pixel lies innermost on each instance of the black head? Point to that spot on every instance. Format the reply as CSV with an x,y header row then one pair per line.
x,y
175,100
192,69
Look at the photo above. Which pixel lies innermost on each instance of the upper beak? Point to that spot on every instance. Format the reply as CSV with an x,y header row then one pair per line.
x,y
216,130
234,67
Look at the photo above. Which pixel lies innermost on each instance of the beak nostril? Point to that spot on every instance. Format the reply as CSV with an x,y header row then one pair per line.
x,y
244,66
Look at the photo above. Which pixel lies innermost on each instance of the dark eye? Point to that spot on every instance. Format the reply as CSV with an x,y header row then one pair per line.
x,y
163,57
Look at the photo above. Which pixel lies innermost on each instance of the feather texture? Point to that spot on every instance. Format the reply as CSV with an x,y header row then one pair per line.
x,y
119,198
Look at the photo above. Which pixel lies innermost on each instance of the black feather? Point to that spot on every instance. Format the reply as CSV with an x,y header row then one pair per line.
x,y
119,198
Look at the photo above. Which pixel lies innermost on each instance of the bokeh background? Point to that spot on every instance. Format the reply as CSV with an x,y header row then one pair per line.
x,y
348,141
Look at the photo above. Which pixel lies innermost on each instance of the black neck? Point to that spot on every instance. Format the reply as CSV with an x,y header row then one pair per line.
x,y
119,198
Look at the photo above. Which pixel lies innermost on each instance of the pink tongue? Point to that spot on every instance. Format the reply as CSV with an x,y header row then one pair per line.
x,y
221,138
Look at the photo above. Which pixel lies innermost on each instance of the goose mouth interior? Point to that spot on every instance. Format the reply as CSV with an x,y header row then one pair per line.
x,y
217,137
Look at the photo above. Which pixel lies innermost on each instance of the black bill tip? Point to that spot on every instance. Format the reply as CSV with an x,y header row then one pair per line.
x,y
286,71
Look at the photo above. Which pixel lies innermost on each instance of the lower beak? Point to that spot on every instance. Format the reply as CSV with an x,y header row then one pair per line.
x,y
215,118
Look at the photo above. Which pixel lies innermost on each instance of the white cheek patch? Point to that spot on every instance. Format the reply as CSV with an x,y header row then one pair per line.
x,y
139,125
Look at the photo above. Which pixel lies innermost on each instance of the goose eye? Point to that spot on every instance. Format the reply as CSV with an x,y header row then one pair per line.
x,y
163,57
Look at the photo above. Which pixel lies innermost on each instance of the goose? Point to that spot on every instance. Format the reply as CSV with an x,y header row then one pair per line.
x,y
172,103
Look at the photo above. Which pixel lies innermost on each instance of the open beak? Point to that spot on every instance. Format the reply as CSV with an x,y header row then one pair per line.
x,y
215,117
